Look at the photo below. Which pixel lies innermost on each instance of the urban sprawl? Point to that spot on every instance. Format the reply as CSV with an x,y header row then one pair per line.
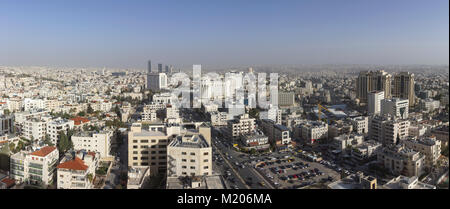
x,y
359,128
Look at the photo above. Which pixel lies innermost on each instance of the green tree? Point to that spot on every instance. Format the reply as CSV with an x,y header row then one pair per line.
x,y
6,111
89,109
47,140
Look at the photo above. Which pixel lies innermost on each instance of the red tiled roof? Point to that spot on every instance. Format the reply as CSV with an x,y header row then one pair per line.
x,y
91,153
79,120
9,182
44,151
75,164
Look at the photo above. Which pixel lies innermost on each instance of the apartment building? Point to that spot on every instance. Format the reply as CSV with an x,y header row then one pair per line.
x,y
189,155
77,170
92,141
278,134
21,117
404,182
374,102
429,105
401,160
428,146
388,130
347,140
147,146
339,128
360,124
242,124
256,140
219,118
365,150
35,129
272,113
6,124
38,167
286,99
396,107
312,132
163,98
57,125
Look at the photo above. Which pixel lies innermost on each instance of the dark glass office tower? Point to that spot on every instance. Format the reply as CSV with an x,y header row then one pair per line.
x,y
160,68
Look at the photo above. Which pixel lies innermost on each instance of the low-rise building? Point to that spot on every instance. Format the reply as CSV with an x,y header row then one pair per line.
x,y
77,170
138,177
93,141
256,140
37,167
401,160
404,182
355,181
428,146
360,124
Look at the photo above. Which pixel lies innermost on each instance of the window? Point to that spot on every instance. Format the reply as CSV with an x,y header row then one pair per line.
x,y
205,153
192,167
134,141
205,160
183,166
192,153
183,153
183,160
144,141
205,167
192,161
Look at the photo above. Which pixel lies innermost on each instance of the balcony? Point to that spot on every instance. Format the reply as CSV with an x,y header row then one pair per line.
x,y
33,165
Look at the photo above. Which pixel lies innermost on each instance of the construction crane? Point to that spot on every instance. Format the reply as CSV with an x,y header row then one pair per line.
x,y
319,108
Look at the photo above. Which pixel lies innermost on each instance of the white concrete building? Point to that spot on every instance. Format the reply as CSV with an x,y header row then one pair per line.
x,y
374,102
396,107
401,160
99,142
189,155
313,131
388,130
219,118
77,170
360,124
38,167
35,129
57,125
241,125
428,146
404,182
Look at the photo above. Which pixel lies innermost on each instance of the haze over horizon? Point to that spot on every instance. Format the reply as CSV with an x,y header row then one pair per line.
x,y
123,34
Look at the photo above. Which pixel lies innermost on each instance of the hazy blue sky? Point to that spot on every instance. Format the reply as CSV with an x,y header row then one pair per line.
x,y
128,33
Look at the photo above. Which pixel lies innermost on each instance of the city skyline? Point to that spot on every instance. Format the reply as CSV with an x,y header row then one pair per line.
x,y
237,33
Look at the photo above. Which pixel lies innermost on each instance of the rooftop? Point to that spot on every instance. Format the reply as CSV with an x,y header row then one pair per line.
x,y
43,151
190,140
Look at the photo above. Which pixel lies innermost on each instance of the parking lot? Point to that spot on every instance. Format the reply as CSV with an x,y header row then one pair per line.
x,y
291,171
